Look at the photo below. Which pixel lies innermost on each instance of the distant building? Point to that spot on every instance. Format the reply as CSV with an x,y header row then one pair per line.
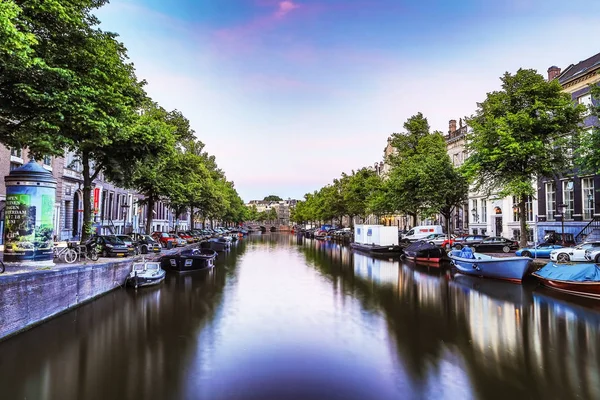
x,y
456,149
282,207
577,192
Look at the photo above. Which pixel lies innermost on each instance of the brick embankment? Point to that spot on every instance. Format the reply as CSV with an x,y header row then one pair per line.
x,y
31,295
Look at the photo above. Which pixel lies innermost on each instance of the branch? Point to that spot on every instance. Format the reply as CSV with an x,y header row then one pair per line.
x,y
96,172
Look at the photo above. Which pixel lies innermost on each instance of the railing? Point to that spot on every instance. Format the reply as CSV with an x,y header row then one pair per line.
x,y
594,224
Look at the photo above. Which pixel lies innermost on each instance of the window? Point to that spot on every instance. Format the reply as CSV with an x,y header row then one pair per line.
x,y
483,210
14,165
528,209
475,231
568,199
16,153
586,100
474,210
587,191
550,200
47,160
517,235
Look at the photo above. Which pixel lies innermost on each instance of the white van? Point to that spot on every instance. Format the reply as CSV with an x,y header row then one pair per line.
x,y
421,231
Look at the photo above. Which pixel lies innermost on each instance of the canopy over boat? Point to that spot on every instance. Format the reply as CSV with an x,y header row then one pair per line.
x,y
572,273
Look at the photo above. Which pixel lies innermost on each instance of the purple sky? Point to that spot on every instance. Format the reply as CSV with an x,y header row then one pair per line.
x,y
289,94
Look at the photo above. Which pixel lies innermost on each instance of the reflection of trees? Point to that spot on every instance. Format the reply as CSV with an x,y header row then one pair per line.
x,y
127,344
510,345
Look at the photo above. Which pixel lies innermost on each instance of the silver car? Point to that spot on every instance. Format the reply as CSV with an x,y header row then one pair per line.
x,y
585,252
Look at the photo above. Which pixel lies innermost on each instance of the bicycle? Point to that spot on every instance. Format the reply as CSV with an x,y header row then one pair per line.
x,y
67,254
2,268
88,251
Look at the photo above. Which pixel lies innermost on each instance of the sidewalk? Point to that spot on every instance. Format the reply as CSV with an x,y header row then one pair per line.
x,y
28,269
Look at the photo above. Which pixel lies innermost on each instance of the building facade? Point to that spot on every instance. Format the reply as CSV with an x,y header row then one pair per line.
x,y
115,210
569,198
283,208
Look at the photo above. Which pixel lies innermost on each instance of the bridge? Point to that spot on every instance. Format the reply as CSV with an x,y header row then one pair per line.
x,y
265,227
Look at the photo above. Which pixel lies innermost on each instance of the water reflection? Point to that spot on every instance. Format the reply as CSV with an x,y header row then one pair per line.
x,y
283,317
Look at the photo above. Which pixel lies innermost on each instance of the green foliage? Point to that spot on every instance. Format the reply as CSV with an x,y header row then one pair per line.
x,y
522,132
272,198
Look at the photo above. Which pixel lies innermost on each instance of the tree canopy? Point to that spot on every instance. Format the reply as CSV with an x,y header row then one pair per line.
x,y
272,197
522,132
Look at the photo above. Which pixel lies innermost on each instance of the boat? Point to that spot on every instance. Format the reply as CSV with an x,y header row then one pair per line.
x,y
145,274
376,249
577,279
189,260
216,244
425,252
478,264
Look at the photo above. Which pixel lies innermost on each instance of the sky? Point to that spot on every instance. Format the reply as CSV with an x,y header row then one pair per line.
x,y
288,94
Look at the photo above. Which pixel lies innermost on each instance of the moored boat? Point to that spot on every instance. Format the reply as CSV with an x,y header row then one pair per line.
x,y
217,244
478,264
425,252
374,249
189,260
145,274
578,279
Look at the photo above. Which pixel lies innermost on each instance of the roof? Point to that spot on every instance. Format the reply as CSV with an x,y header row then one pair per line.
x,y
579,69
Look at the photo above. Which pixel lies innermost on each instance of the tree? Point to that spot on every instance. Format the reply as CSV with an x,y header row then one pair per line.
x,y
589,149
272,197
519,133
405,176
357,190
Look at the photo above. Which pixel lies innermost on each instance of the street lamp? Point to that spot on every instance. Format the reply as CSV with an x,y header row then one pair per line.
x,y
561,209
124,208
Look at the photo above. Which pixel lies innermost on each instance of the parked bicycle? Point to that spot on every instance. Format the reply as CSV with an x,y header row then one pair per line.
x,y
87,251
66,254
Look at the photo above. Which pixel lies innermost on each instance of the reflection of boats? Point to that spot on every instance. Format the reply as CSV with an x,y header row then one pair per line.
x,y
425,252
381,271
579,279
508,268
145,274
189,260
499,290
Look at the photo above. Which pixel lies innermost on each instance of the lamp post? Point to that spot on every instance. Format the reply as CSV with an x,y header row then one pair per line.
x,y
561,209
124,208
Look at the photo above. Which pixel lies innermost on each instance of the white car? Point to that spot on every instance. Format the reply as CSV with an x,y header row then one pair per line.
x,y
437,238
585,252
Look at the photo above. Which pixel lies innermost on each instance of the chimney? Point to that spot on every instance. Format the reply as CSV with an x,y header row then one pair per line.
x,y
553,72
452,126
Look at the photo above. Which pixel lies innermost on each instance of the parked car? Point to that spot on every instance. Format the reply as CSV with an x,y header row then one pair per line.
x,y
164,239
111,246
437,239
420,232
496,244
468,240
585,252
179,242
130,243
146,243
542,250
184,236
557,238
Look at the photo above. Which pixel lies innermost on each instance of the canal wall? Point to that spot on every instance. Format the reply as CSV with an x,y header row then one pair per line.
x,y
30,298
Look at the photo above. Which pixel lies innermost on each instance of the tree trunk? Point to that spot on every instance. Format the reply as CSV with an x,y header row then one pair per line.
x,y
149,214
523,221
86,229
192,217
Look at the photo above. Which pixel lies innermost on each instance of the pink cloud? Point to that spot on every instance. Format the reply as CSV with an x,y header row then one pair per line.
x,y
285,7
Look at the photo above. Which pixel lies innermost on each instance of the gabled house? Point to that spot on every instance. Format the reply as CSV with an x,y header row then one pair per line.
x,y
569,198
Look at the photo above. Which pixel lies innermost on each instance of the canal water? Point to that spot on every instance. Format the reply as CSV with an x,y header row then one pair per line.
x,y
282,317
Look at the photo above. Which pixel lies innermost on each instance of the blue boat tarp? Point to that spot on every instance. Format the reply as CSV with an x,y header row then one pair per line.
x,y
573,273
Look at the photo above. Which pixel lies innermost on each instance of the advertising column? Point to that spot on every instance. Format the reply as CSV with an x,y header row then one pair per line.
x,y
29,214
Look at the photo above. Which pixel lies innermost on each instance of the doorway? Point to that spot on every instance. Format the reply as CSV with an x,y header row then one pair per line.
x,y
75,232
499,226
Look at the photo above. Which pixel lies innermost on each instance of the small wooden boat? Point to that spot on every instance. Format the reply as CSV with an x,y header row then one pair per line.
x,y
189,260
577,279
145,274
477,264
375,249
425,252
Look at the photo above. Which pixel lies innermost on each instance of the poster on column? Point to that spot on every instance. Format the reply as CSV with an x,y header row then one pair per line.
x,y
28,229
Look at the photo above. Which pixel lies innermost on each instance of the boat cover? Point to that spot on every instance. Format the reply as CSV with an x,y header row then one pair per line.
x,y
573,273
466,252
421,246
